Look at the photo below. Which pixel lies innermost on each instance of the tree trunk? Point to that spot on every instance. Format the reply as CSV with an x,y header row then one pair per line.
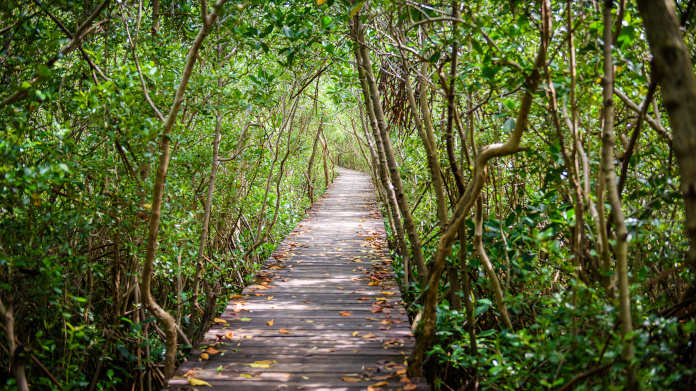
x,y
366,64
607,167
162,316
208,205
512,145
675,74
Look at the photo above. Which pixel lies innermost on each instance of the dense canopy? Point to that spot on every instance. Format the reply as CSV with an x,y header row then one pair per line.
x,y
535,163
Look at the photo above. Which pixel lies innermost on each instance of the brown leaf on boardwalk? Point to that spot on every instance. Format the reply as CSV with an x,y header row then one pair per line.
x,y
405,380
369,336
229,335
380,384
283,331
236,296
204,356
212,351
355,333
410,387
219,321
401,371
269,297
344,313
351,379
270,322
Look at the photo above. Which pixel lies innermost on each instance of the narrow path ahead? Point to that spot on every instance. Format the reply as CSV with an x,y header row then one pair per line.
x,y
324,313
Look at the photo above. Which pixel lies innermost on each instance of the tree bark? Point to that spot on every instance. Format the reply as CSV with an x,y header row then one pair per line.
x,y
675,74
162,316
607,167
375,99
512,145
203,240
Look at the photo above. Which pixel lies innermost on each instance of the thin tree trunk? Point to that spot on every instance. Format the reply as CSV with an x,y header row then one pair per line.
x,y
607,166
488,267
383,170
162,316
366,64
16,365
512,145
203,240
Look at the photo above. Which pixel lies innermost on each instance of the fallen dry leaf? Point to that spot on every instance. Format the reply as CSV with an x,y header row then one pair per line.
x,y
351,379
269,297
355,333
405,380
219,321
248,376
410,386
270,322
369,336
380,384
212,351
257,365
236,296
266,362
283,331
196,382
344,313
204,356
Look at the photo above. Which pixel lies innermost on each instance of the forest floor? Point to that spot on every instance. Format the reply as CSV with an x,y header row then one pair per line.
x,y
324,312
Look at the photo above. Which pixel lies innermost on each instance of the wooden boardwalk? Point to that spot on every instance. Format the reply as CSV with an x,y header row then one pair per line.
x,y
324,312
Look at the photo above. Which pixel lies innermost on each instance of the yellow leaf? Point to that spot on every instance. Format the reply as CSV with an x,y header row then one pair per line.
x,y
269,297
236,296
410,386
351,379
196,382
344,313
218,320
257,365
369,336
320,2
380,384
355,333
270,322
283,331
204,356
356,9
266,362
388,293
248,376
212,351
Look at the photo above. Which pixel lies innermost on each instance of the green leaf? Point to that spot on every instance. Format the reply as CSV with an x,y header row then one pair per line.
x,y
287,31
509,125
325,22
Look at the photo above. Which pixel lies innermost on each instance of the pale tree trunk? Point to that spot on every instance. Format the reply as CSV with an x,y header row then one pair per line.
x,y
607,167
488,267
383,170
473,191
16,365
366,64
675,74
163,317
310,165
203,240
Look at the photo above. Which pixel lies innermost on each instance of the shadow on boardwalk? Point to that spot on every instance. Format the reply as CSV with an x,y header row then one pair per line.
x,y
324,313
